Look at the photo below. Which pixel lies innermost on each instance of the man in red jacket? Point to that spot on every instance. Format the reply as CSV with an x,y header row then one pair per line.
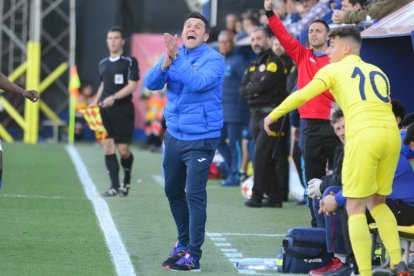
x,y
319,138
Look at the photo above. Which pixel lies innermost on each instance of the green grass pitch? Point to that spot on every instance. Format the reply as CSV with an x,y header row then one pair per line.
x,y
48,226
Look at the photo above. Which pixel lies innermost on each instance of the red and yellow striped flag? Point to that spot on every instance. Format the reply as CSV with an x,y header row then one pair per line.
x,y
93,119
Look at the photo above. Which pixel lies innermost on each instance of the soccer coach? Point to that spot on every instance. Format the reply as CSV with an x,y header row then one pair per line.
x,y
194,76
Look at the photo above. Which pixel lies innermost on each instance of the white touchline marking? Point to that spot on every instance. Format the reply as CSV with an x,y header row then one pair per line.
x,y
120,256
247,234
232,254
37,196
159,179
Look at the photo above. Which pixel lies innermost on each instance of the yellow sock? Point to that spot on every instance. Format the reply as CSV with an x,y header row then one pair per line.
x,y
361,242
387,228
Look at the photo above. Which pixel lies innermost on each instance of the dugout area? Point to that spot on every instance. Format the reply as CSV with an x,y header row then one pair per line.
x,y
389,44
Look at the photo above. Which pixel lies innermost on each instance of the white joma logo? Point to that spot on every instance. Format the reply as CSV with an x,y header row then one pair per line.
x,y
201,160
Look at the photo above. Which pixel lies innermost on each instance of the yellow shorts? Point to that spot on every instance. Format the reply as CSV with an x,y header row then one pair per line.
x,y
370,161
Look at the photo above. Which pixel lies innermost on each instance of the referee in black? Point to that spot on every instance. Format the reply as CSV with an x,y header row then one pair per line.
x,y
119,75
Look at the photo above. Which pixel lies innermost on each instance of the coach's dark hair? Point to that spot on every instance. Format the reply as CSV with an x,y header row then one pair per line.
x,y
322,22
201,17
336,113
117,29
347,32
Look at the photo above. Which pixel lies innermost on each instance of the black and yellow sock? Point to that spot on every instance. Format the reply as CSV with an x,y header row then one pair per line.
x,y
361,242
127,165
387,228
112,166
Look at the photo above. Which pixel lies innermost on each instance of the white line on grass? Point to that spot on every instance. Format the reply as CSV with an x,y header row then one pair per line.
x,y
120,257
232,254
37,196
248,234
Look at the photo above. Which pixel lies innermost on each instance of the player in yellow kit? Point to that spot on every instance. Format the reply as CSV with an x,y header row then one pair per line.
x,y
373,141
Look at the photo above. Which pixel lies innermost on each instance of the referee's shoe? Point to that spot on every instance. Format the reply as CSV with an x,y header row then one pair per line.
x,y
124,190
110,192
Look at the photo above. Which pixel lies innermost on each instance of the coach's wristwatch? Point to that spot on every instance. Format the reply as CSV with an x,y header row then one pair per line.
x,y
114,97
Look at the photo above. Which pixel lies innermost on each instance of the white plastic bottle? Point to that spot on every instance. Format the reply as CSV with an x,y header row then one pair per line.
x,y
256,264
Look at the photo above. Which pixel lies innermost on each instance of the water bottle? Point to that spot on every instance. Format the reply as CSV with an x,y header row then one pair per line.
x,y
256,264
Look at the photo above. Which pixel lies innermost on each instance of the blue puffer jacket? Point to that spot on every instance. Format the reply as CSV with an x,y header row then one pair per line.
x,y
236,109
194,90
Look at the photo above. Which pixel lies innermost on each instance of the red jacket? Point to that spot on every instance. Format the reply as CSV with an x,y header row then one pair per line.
x,y
308,64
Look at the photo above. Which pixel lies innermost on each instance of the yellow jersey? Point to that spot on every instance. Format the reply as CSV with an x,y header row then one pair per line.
x,y
361,89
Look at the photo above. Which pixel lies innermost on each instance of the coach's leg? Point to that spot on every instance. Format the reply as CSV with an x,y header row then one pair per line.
x,y
198,159
359,234
175,175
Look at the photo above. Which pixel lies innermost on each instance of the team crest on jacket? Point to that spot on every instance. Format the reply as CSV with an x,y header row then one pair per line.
x,y
271,67
262,67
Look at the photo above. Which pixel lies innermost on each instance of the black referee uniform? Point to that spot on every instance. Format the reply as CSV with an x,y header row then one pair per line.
x,y
118,119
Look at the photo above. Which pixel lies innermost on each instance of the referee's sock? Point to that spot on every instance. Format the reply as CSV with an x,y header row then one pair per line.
x,y
127,165
361,242
112,165
387,228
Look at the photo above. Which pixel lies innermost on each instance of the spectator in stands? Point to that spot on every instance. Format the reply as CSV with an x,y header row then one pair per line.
x,y
292,14
348,6
231,21
319,139
264,87
249,22
235,108
376,9
312,9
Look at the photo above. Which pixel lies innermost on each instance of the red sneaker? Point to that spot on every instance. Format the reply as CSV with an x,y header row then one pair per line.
x,y
334,265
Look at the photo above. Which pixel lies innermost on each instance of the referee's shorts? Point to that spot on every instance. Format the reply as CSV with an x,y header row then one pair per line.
x,y
118,121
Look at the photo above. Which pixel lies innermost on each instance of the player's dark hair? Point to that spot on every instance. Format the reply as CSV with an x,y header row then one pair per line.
x,y
201,17
336,114
346,32
117,29
322,22
398,109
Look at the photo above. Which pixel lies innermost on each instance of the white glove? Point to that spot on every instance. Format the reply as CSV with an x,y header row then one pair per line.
x,y
313,188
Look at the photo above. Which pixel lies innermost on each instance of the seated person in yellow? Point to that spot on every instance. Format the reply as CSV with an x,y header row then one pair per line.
x,y
362,90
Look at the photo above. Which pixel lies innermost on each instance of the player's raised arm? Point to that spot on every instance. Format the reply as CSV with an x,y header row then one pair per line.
x,y
7,85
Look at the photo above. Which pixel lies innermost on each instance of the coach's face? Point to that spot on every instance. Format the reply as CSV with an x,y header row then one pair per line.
x,y
115,42
194,33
